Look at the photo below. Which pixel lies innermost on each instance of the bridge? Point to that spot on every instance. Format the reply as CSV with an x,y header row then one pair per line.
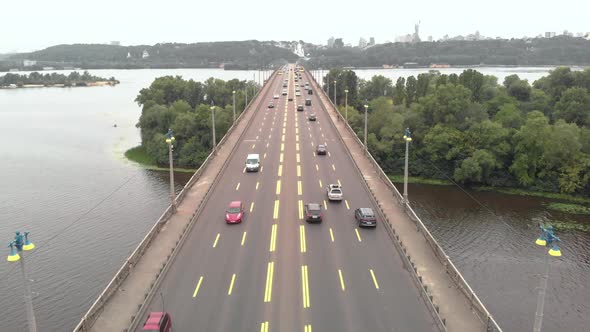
x,y
274,271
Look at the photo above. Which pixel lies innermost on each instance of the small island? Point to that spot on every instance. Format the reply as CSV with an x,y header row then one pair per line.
x,y
39,80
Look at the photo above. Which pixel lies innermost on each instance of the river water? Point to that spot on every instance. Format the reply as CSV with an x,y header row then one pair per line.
x,y
65,179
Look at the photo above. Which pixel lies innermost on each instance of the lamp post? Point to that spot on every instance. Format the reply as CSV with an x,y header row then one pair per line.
x,y
408,139
17,247
170,140
366,111
328,84
546,239
335,92
234,101
346,104
213,126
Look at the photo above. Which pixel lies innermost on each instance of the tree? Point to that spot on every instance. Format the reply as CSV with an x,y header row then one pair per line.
x,y
509,116
399,93
422,85
530,142
472,80
574,106
411,86
520,89
476,168
448,105
376,87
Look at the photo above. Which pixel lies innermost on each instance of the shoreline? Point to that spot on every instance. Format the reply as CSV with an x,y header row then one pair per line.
x,y
137,155
62,85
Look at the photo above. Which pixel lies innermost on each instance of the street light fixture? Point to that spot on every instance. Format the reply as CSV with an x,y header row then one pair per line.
x,y
408,139
335,92
170,140
17,247
234,101
346,104
547,240
366,111
213,126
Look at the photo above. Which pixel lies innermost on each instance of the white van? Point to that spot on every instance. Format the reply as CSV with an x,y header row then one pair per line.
x,y
253,162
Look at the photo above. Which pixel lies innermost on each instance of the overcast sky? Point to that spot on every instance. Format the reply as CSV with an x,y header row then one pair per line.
x,y
36,24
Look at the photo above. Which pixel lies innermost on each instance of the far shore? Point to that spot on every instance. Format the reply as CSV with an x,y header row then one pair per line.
x,y
85,84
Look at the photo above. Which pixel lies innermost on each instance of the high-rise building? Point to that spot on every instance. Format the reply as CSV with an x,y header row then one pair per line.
x,y
362,43
371,41
331,42
549,34
115,42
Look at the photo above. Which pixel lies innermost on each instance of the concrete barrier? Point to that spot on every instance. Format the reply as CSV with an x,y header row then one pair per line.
x,y
97,307
488,322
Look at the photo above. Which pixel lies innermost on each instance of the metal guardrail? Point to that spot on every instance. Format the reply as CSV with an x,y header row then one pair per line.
x,y
488,322
97,307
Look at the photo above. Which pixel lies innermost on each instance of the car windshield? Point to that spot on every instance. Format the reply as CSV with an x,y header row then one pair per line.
x,y
233,210
336,191
251,161
313,207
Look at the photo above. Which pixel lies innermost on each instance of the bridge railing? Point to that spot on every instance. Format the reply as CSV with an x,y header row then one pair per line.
x,y
488,322
97,307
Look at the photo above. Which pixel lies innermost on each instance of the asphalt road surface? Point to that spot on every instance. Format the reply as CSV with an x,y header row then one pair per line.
x,y
274,271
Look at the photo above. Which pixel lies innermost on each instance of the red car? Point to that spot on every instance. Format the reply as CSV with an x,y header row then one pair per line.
x,y
158,322
234,213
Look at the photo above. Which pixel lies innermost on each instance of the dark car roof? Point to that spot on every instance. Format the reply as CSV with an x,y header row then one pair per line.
x,y
367,212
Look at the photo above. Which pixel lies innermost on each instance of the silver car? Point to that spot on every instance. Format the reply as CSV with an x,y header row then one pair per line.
x,y
334,192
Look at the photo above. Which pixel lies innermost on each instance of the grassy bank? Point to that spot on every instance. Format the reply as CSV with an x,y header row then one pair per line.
x,y
139,155
569,208
420,180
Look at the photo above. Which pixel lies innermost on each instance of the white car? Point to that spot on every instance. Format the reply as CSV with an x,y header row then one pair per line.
x,y
298,94
334,192
275,97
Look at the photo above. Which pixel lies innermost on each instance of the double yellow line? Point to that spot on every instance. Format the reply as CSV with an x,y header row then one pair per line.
x,y
269,274
305,286
275,214
264,327
307,328
300,209
302,243
273,238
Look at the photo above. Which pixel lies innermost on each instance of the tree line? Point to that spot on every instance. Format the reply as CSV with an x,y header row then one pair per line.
x,y
185,107
36,78
476,131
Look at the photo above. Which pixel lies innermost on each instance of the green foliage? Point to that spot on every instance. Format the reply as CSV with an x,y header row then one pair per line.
x,y
574,106
569,208
139,155
36,78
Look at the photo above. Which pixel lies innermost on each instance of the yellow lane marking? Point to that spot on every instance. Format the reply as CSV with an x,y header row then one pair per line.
x,y
231,284
273,238
299,170
322,134
275,214
298,157
253,146
347,206
261,168
284,128
244,170
325,205
299,190
281,156
198,286
297,138
331,234
296,124
216,239
296,130
317,168
257,184
267,144
305,286
269,273
340,184
282,147
243,239
264,157
280,170
333,167
307,328
320,181
278,187
329,154
302,243
341,280
358,236
251,206
283,138
314,153
311,143
264,327
238,186
374,279
300,209
296,146
256,136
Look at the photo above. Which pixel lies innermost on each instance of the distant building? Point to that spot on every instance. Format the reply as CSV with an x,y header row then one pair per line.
x,y
48,68
330,42
338,43
115,43
29,63
580,34
145,54
549,34
362,43
128,55
404,39
430,38
567,33
416,36
371,41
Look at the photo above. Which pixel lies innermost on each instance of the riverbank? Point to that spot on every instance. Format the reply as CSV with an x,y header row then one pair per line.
x,y
61,85
140,156
569,208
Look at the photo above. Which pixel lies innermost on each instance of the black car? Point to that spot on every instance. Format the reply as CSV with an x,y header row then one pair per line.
x,y
312,117
300,108
307,102
271,105
365,217
310,91
321,149
313,212
290,98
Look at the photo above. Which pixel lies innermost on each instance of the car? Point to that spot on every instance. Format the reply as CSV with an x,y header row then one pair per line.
x,y
234,212
310,91
296,84
252,162
308,102
334,192
284,92
275,97
284,85
298,94
311,117
365,217
158,321
313,212
280,73
290,98
320,149
271,105
297,90
300,108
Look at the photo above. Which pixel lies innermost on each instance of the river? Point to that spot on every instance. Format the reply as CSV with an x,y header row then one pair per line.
x,y
65,179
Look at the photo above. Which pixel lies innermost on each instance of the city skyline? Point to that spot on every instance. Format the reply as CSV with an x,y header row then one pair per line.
x,y
60,22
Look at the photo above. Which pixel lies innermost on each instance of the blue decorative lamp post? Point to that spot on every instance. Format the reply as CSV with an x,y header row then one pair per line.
x,y
408,139
20,244
548,240
170,140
